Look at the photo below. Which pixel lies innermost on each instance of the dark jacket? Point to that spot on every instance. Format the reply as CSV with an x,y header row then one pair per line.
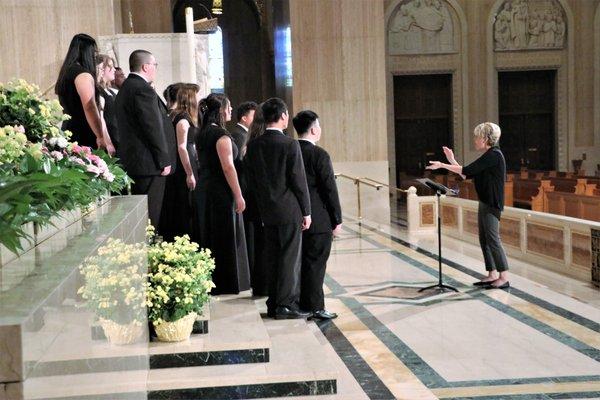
x,y
324,199
240,136
275,172
143,146
170,135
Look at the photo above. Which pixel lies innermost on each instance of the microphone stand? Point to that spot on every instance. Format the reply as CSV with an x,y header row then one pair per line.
x,y
439,190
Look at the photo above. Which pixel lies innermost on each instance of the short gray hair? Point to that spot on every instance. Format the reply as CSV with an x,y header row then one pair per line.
x,y
488,131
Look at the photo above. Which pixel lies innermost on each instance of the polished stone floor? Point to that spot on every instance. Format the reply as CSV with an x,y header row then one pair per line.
x,y
538,340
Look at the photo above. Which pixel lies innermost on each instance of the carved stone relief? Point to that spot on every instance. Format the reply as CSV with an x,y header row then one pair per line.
x,y
421,27
529,24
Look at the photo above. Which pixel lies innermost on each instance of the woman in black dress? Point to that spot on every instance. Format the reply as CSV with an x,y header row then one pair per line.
x,y
180,212
106,74
76,90
223,221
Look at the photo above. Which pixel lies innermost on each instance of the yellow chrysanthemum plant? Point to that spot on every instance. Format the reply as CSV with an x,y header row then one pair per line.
x,y
115,282
179,278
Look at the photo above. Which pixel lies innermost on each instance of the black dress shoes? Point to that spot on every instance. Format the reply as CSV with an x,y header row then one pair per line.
x,y
482,283
505,285
288,313
323,314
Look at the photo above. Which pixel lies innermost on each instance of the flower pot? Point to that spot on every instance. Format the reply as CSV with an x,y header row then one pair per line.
x,y
176,331
121,334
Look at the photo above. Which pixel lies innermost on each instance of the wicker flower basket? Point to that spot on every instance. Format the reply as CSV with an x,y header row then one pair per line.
x,y
121,334
176,331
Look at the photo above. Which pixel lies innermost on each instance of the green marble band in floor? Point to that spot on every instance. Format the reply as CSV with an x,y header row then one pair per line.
x,y
156,361
594,326
424,371
533,323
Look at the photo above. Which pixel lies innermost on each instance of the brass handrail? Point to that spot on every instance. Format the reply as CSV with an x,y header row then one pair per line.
x,y
358,181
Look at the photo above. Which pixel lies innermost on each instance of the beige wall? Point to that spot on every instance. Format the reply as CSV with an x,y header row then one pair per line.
x,y
35,34
337,48
147,16
339,72
575,86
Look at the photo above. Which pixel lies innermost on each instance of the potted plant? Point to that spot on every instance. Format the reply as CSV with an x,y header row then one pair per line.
x,y
179,283
115,284
45,179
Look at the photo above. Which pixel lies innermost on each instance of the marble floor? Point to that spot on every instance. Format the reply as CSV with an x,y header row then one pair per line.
x,y
538,340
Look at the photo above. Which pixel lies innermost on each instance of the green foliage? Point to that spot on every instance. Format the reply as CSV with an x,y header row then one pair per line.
x,y
41,173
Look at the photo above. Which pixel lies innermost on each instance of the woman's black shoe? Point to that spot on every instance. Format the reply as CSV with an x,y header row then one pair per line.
x,y
482,283
505,285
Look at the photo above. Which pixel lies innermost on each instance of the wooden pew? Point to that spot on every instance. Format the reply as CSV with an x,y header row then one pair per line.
x,y
529,193
573,205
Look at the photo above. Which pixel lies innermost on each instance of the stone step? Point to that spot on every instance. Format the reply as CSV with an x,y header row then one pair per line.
x,y
237,335
297,367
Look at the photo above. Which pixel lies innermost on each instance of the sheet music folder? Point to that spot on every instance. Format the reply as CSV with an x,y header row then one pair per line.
x,y
438,187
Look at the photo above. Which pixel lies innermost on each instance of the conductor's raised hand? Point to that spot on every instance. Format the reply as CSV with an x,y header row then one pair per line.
x,y
433,165
448,153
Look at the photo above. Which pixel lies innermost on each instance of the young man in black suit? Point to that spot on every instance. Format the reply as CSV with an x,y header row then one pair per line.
x,y
245,116
144,151
326,215
276,174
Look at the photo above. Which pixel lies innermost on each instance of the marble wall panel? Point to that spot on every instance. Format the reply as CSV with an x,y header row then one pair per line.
x,y
545,240
580,249
449,216
339,72
470,224
427,214
510,231
35,34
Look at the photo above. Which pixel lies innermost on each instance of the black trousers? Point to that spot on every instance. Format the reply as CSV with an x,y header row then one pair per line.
x,y
489,239
283,244
154,187
255,241
315,253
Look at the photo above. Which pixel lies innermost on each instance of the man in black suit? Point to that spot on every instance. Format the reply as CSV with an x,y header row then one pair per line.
x,y
252,225
144,150
245,116
276,174
326,215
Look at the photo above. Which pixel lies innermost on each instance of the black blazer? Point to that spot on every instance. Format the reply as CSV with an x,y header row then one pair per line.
x,y
276,176
239,136
324,199
143,147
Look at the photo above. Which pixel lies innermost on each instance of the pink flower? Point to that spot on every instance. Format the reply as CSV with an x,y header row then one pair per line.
x,y
57,155
87,150
93,169
76,160
94,158
76,148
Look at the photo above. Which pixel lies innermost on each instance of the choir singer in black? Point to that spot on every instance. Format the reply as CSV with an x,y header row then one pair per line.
x,y
326,215
276,174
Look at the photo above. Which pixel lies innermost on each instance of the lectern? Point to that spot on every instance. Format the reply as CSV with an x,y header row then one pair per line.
x,y
439,191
